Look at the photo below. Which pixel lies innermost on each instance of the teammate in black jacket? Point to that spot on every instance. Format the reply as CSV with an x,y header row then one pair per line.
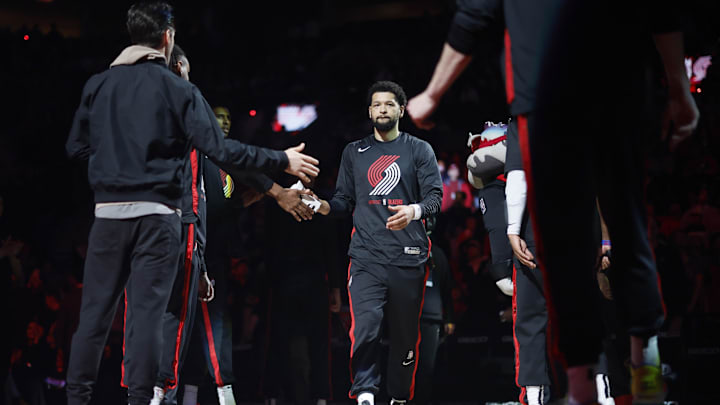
x,y
388,181
136,124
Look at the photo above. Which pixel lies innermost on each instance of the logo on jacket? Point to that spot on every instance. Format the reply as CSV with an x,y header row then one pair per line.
x,y
384,175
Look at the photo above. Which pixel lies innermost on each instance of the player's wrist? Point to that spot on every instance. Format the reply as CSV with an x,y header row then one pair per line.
x,y
274,191
417,211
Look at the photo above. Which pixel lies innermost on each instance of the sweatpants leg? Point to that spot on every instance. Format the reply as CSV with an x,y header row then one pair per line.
x,y
154,262
406,290
566,245
492,207
529,327
367,292
107,268
179,316
430,333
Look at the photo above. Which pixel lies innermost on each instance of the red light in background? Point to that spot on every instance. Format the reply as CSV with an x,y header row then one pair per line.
x,y
26,37
253,113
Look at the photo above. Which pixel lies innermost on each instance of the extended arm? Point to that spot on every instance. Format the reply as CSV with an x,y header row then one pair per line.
x,y
343,201
515,197
205,134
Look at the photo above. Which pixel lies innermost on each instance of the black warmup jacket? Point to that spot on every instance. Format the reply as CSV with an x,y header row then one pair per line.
x,y
137,124
374,175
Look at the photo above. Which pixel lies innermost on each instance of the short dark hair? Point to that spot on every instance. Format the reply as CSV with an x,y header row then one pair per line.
x,y
390,87
175,57
146,22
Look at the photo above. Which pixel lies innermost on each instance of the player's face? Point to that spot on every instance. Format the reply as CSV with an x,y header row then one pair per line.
x,y
222,115
183,68
385,111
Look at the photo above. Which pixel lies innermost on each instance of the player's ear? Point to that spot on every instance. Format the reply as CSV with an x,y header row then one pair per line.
x,y
402,111
370,112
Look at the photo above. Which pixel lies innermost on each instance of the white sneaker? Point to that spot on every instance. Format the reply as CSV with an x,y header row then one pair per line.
x,y
225,395
158,395
603,390
366,398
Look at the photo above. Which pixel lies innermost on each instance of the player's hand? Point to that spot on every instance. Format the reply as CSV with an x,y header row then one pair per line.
x,y
206,290
300,164
604,259
604,285
335,301
521,251
404,215
290,201
449,328
682,113
420,108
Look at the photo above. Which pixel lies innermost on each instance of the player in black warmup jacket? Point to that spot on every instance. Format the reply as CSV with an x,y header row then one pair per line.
x,y
388,181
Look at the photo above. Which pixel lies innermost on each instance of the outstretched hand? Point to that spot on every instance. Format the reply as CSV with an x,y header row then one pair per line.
x,y
300,164
290,201
521,251
404,215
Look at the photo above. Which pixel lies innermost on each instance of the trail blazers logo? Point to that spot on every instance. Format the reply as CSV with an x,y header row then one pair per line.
x,y
384,175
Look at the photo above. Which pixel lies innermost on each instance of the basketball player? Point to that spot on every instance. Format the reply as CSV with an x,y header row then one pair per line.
x,y
388,181
540,53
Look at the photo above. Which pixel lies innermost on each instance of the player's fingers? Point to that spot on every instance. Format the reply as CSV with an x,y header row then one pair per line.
x,y
309,169
526,262
298,148
304,177
305,212
396,223
295,215
309,159
394,208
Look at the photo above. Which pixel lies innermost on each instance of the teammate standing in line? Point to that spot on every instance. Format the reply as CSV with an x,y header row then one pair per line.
x,y
135,169
212,334
388,181
179,318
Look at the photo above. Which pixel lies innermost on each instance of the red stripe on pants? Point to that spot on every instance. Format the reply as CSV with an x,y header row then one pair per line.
x,y
211,344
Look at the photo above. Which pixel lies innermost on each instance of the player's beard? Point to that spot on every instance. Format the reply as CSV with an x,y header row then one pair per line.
x,y
385,126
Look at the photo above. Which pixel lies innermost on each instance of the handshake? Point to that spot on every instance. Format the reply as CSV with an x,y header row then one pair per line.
x,y
310,200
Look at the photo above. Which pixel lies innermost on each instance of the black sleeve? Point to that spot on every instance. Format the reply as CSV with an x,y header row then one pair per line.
x,y
513,155
428,175
78,143
472,20
343,201
258,181
205,134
